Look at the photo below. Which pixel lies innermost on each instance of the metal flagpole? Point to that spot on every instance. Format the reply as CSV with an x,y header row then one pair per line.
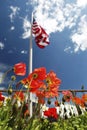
x,y
30,66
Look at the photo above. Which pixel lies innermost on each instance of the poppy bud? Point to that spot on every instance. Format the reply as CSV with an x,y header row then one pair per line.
x,y
49,102
63,100
10,90
13,78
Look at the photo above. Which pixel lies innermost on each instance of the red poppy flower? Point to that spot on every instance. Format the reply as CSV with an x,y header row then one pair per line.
x,y
26,113
1,97
20,69
33,85
40,95
52,80
35,80
38,74
51,112
84,97
51,92
19,95
67,95
41,101
25,81
78,101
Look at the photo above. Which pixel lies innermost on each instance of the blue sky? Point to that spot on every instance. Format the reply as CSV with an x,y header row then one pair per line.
x,y
66,23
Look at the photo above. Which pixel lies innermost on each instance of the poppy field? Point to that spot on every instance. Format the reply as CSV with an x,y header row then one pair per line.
x,y
14,106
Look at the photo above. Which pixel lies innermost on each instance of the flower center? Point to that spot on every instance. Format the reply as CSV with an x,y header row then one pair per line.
x,y
68,97
35,75
48,81
47,88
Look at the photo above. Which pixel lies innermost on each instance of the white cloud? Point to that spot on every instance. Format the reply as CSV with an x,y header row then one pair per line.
x,y
15,11
82,3
26,27
68,49
23,52
56,15
79,37
4,68
1,46
12,28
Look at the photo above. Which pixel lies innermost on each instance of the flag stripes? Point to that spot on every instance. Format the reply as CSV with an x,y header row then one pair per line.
x,y
41,37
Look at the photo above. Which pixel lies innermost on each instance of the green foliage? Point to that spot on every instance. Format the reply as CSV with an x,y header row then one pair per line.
x,y
8,122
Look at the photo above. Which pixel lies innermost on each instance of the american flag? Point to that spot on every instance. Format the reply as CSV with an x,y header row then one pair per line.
x,y
41,37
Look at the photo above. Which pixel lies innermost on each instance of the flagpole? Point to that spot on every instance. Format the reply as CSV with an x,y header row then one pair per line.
x,y
30,66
